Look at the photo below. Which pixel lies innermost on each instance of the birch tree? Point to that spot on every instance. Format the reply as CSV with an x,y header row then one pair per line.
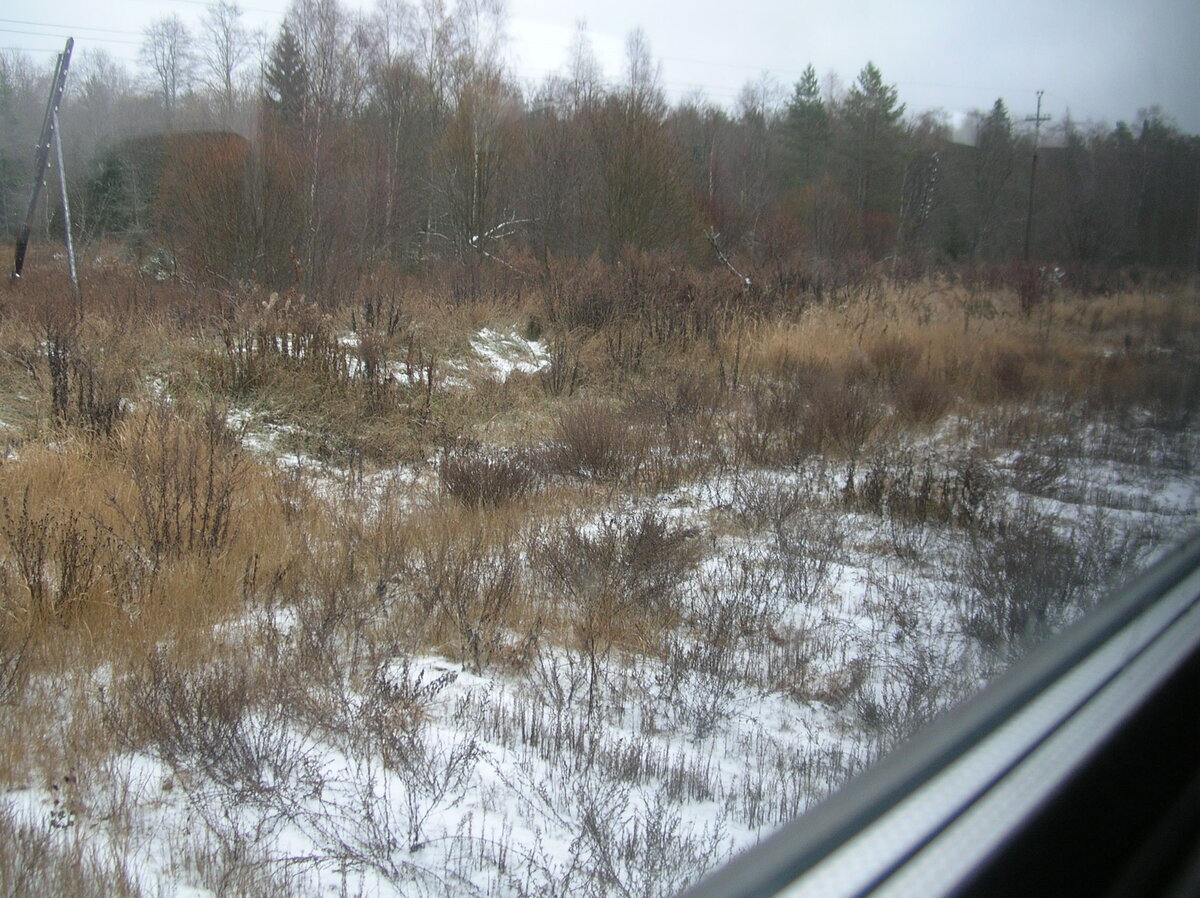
x,y
168,53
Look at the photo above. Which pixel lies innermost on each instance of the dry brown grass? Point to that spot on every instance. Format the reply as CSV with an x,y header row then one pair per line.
x,y
129,508
938,350
148,551
153,532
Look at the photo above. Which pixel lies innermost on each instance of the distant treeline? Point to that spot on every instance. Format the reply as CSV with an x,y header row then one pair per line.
x,y
401,139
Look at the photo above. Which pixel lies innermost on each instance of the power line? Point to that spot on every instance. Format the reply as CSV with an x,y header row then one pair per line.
x,y
98,40
70,27
208,3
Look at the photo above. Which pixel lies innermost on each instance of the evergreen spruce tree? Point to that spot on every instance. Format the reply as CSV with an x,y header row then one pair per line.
x,y
872,141
995,156
807,130
287,78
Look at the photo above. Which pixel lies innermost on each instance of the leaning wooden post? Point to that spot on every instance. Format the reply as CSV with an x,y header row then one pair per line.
x,y
42,155
62,186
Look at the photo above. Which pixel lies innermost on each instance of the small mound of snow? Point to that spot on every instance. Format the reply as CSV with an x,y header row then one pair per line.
x,y
506,353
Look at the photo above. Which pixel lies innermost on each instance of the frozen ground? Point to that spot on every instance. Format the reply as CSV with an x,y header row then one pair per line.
x,y
818,620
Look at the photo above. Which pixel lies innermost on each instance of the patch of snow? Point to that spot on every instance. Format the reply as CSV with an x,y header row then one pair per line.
x,y
505,353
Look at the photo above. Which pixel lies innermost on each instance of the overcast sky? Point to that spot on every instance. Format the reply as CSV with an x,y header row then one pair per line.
x,y
1099,60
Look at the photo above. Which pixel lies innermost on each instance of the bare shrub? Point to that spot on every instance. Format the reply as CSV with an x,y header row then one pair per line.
x,y
892,359
634,564
373,370
912,691
760,501
479,477
57,560
1030,576
435,775
1040,469
88,369
760,431
186,476
382,311
578,294
561,376
376,817
699,676
922,398
806,546
840,687
279,334
617,579
1171,390
1008,374
916,491
14,665
738,596
648,851
816,412
845,417
40,857
676,426
206,720
626,842
99,396
227,856
625,348
971,493
557,678
396,717
471,584
396,706
593,440
688,400
1033,285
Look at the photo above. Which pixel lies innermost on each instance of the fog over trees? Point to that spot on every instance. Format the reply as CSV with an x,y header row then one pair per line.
x,y
344,141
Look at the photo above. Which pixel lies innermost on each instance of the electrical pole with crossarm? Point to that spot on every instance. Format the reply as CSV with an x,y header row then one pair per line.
x,y
42,154
1037,128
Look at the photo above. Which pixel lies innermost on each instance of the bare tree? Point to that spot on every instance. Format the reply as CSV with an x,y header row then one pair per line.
x,y
399,117
480,25
644,92
474,147
454,47
335,47
225,47
104,101
639,202
585,77
169,55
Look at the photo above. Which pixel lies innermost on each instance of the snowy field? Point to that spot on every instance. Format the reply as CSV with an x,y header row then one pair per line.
x,y
703,663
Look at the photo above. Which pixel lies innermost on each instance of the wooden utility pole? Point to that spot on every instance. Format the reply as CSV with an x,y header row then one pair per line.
x,y
66,206
42,154
1037,128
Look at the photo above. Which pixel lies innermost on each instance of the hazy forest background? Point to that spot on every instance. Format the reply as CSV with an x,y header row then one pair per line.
x,y
344,142
442,486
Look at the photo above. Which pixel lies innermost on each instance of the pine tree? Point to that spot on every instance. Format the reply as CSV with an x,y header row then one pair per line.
x,y
872,141
995,151
807,130
287,78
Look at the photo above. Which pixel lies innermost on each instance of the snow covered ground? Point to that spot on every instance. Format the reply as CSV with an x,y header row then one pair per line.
x,y
813,618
